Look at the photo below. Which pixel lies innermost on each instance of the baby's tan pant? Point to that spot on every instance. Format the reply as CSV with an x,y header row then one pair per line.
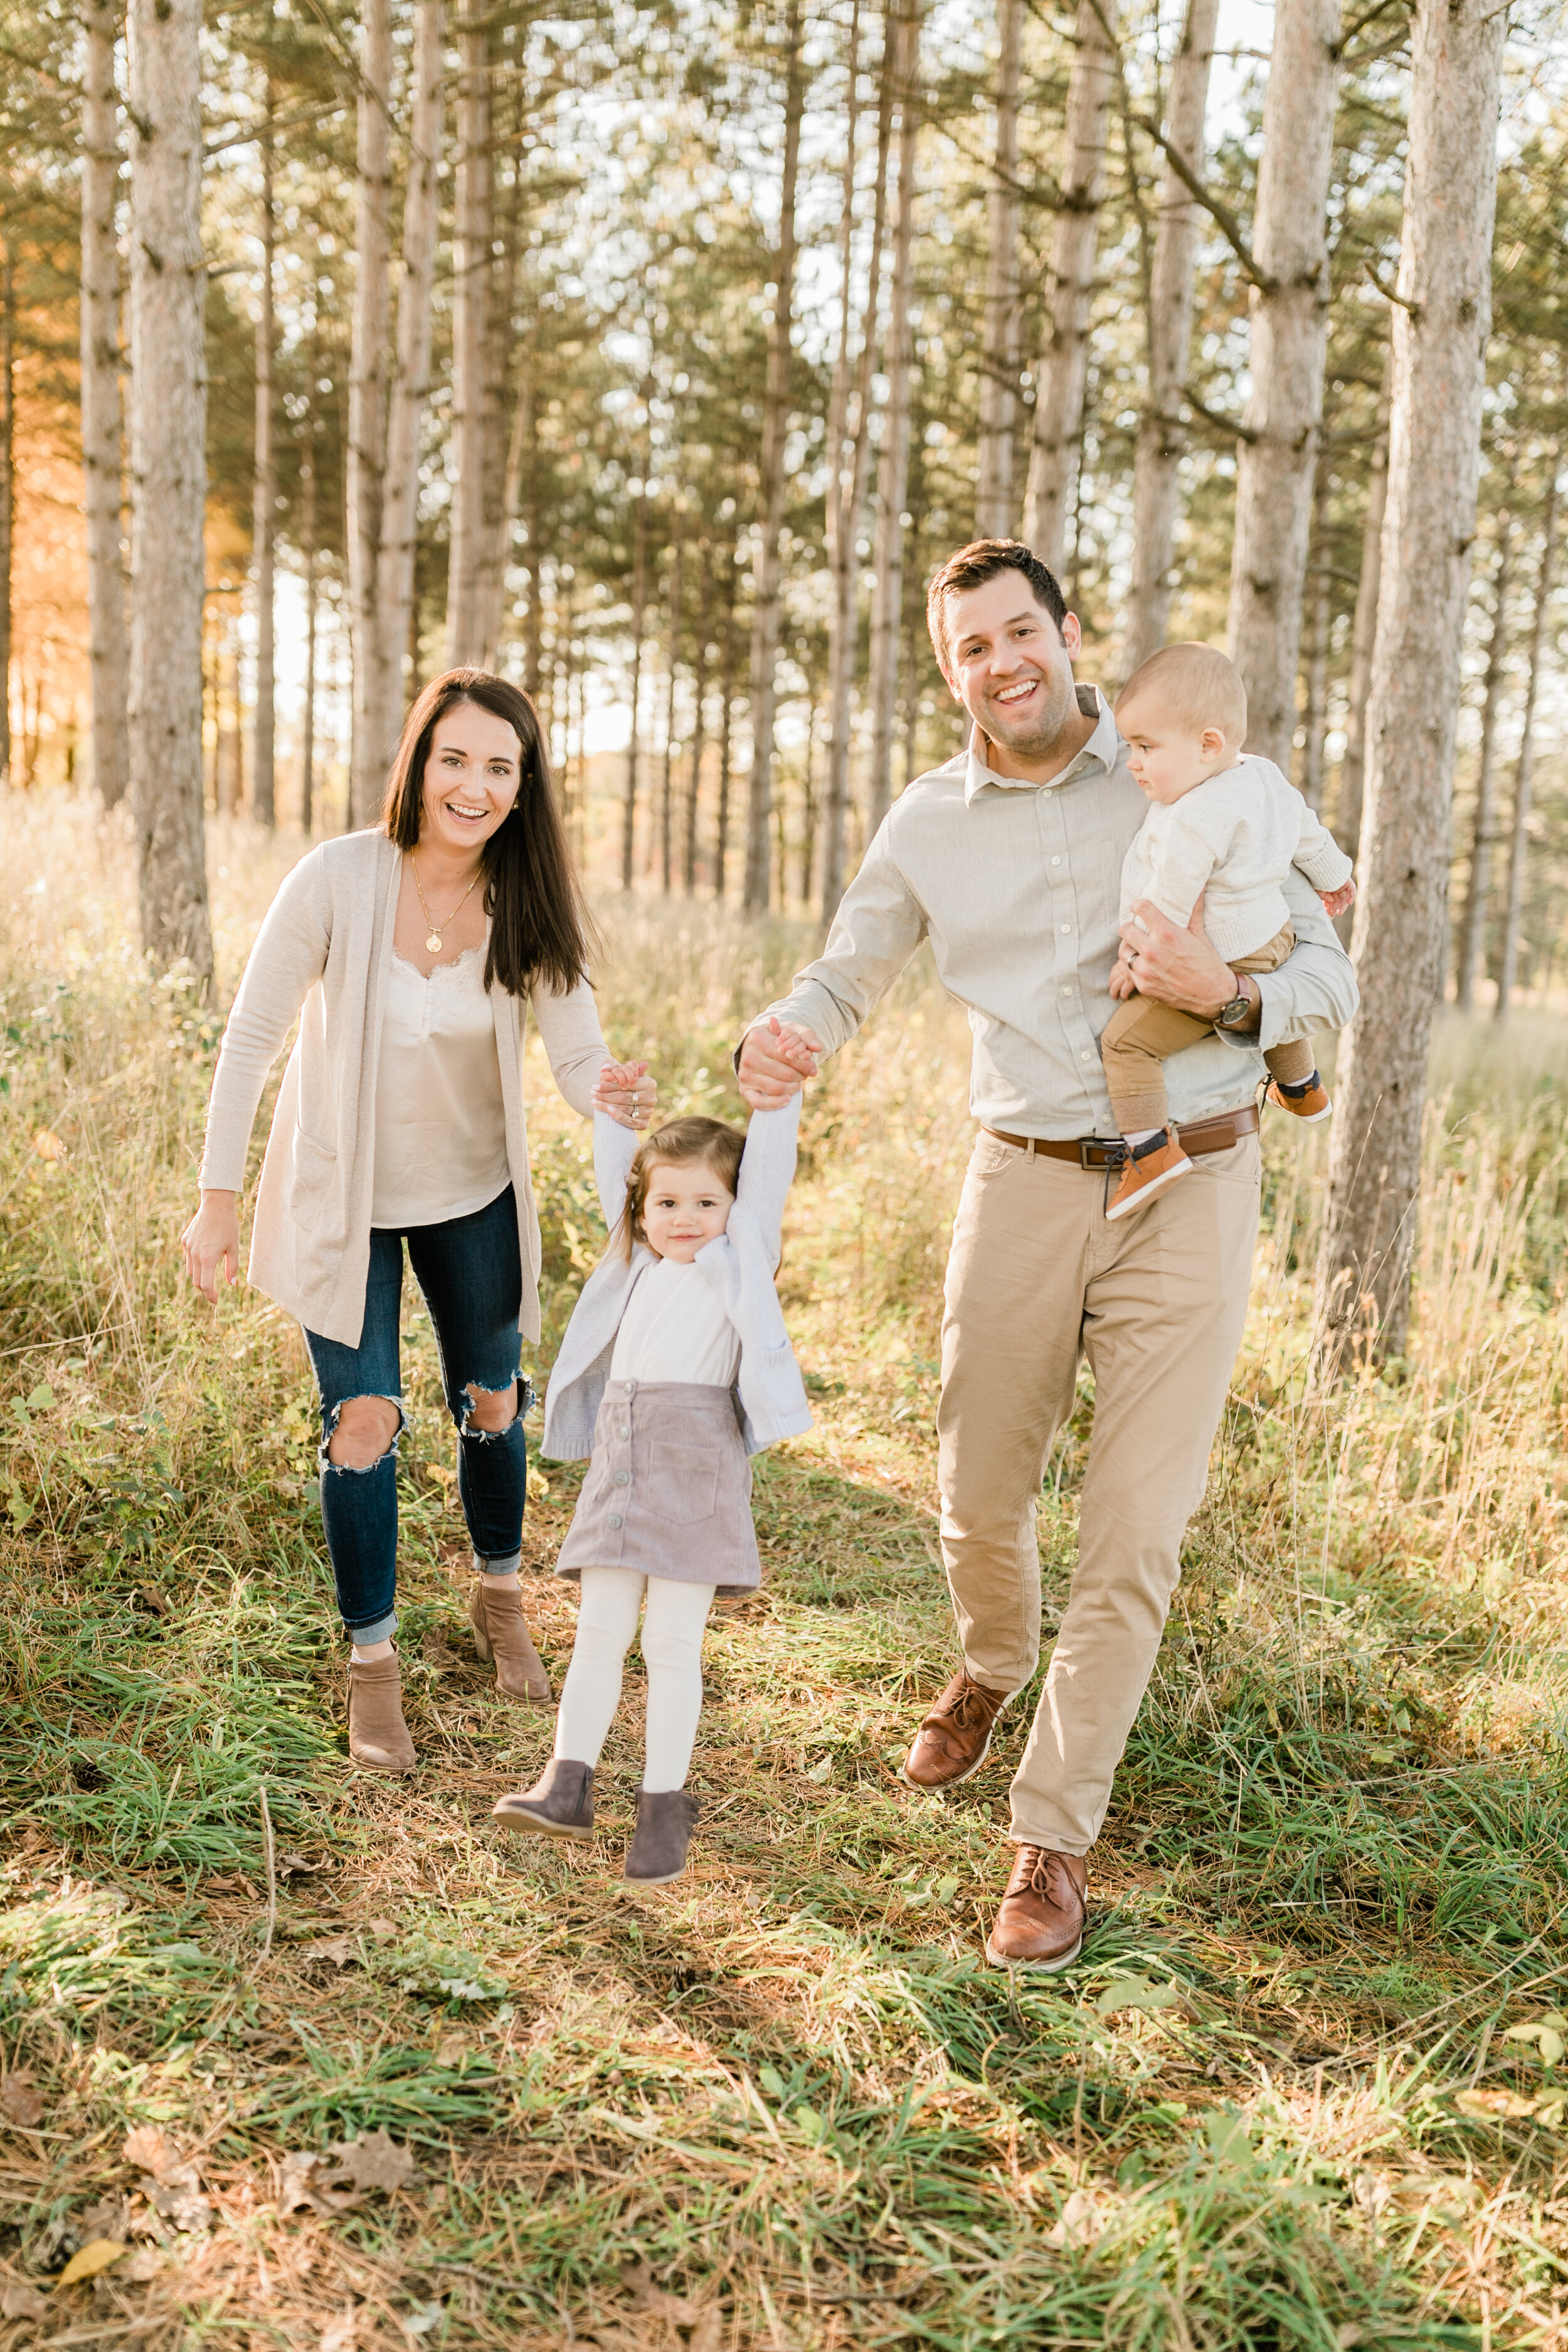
x,y
1141,1036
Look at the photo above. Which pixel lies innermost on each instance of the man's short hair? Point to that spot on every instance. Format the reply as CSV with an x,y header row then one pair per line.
x,y
972,567
1197,684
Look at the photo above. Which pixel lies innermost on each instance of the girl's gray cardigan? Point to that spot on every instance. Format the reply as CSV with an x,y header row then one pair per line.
x,y
739,1264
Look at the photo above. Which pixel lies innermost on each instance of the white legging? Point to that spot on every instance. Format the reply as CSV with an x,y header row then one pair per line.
x,y
672,1653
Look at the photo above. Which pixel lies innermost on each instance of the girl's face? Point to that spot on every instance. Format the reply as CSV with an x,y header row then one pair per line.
x,y
685,1206
471,779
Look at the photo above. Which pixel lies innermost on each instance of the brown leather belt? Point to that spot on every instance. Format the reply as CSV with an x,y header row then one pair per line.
x,y
1216,1134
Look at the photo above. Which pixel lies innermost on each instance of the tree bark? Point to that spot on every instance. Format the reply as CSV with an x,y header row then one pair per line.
x,y
1524,774
1441,324
366,457
473,270
399,532
1063,372
639,610
1277,457
766,571
8,489
726,718
1315,715
1364,632
308,554
848,455
168,476
1161,439
1483,832
666,802
893,467
101,424
999,348
495,535
265,497
698,717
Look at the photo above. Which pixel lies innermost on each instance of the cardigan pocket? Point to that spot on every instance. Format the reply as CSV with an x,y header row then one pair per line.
x,y
313,1163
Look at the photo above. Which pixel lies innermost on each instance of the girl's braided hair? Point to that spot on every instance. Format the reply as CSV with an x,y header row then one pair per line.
x,y
680,1144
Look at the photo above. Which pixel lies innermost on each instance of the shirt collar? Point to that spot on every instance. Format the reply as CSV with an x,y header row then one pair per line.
x,y
1099,752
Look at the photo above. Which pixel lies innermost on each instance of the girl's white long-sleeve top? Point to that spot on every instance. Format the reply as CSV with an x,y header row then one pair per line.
x,y
324,952
1235,838
738,1268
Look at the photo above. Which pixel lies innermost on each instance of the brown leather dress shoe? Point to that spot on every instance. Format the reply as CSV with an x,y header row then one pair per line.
x,y
1040,1924
501,1632
952,1742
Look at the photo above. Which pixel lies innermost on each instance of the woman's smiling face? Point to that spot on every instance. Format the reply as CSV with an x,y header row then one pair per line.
x,y
472,780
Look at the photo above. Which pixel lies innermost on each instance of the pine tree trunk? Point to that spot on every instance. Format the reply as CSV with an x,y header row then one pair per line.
x,y
1162,441
308,555
1364,632
7,490
893,466
726,718
1315,716
473,271
101,411
699,720
639,610
518,442
265,498
1524,774
767,602
666,800
1278,459
168,476
366,455
850,449
1062,375
999,348
1441,325
495,520
396,618
1483,834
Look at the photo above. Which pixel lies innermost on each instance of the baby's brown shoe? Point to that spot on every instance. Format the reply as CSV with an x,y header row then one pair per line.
x,y
1148,1169
1308,1102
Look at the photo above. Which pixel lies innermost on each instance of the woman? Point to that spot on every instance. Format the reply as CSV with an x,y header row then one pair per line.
x,y
413,952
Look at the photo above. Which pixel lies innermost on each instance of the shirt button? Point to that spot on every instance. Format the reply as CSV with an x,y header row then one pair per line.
x,y
1056,861
622,1477
1086,1056
1066,992
1067,927
615,1518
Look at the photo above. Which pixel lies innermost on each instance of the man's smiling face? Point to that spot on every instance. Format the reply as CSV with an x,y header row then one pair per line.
x,y
1011,667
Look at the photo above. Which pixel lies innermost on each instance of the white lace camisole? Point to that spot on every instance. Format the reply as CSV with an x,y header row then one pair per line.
x,y
440,1122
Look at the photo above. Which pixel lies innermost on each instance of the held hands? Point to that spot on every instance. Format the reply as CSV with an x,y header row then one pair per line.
x,y
775,1061
1174,967
1335,902
211,1242
625,1092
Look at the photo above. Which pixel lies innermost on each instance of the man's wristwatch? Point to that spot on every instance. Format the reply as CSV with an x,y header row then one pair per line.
x,y
1235,1014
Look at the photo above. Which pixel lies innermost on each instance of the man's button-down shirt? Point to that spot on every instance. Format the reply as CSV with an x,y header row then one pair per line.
x,y
1017,887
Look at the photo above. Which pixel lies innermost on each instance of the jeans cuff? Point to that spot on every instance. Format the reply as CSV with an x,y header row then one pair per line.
x,y
500,1563
381,1629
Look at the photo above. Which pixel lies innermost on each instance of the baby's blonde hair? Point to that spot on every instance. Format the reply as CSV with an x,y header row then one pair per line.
x,y
680,1143
1196,685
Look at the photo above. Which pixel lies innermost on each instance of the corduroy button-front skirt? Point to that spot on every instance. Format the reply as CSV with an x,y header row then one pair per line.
x,y
669,1489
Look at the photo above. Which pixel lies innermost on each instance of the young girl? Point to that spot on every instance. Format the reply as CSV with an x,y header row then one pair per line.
x,y
676,1368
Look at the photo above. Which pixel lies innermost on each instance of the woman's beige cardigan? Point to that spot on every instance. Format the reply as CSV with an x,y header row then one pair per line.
x,y
326,947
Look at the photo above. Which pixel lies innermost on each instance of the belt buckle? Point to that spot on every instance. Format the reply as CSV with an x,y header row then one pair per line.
x,y
1114,1153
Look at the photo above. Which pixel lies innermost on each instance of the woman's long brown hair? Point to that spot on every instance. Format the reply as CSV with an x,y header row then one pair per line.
x,y
539,929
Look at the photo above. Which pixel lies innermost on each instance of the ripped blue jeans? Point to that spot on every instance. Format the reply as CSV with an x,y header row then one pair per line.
x,y
470,1272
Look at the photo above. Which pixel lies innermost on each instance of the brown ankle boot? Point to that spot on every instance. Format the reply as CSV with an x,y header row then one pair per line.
x,y
501,1633
659,1847
378,1736
560,1804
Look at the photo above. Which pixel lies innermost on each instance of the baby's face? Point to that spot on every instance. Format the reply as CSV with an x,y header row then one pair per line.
x,y
686,1205
1169,756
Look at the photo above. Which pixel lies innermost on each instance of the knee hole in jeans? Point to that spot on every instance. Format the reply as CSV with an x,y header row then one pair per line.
x,y
364,1431
488,1412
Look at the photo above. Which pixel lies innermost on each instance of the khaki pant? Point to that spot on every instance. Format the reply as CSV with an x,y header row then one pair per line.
x,y
1157,1303
1141,1036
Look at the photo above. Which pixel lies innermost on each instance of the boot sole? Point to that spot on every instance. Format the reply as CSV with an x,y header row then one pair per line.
x,y
1302,1118
516,1817
1146,1192
394,1771
937,1788
1043,1968
666,1878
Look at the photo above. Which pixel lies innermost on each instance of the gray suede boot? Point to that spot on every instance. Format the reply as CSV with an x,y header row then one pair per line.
x,y
665,1819
560,1804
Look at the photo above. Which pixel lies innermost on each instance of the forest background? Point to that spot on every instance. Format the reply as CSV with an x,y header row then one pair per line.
x,y
657,356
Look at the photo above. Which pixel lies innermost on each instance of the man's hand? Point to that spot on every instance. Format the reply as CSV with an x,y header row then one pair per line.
x,y
210,1242
1175,967
625,1092
775,1061
1335,902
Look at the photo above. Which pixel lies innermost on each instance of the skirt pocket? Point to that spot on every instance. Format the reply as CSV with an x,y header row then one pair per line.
x,y
683,1481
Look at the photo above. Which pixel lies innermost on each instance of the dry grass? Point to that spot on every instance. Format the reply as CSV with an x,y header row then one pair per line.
x,y
784,2102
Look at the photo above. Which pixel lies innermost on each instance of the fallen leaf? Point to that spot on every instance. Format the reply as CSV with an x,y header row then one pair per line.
x,y
88,2260
1135,1993
339,1950
1079,2223
1488,2104
306,2180
143,2264
22,2100
340,2335
19,2301
294,1865
382,1928
176,2194
108,2218
640,2283
422,2319
47,1145
374,2162
148,2151
152,1601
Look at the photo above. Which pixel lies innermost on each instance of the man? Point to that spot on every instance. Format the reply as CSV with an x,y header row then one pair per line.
x,y
1009,859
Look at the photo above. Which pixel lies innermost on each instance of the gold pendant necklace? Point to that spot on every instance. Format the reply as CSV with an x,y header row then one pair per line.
x,y
433,937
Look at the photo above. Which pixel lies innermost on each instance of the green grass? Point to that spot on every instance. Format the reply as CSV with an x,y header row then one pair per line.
x,y
1275,2106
